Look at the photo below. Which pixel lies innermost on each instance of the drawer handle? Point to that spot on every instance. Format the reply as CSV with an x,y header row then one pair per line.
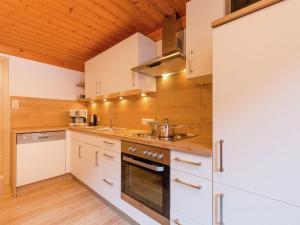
x,y
176,221
79,151
97,152
187,184
221,212
43,137
189,162
106,181
221,156
109,143
109,156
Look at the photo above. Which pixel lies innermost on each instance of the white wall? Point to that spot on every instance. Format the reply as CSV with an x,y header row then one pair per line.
x,y
34,79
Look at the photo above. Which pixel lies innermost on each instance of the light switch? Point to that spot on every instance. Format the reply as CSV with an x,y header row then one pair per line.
x,y
15,104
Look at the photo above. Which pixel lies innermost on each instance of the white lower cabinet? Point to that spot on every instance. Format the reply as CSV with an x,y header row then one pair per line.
x,y
191,197
77,159
110,176
178,218
191,189
92,167
98,168
236,207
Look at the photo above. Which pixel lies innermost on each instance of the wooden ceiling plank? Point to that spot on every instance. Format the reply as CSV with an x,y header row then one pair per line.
x,y
38,34
164,6
149,9
39,27
103,12
120,14
50,21
71,13
27,54
15,40
25,34
6,41
136,13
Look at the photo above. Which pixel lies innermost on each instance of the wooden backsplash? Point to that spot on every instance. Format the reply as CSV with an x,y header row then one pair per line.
x,y
35,112
177,98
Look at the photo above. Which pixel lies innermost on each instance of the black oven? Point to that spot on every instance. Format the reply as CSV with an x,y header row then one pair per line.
x,y
146,179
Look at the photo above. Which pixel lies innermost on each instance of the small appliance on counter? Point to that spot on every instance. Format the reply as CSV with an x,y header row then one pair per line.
x,y
93,120
78,117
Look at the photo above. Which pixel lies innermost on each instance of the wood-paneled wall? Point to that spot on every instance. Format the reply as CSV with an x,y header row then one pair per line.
x,y
35,112
177,98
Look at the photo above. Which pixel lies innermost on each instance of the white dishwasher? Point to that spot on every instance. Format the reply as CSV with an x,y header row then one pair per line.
x,y
40,156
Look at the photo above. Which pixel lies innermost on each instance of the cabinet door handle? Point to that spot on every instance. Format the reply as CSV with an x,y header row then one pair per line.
x,y
133,78
187,161
108,182
79,151
109,156
176,221
221,156
221,208
97,152
187,184
190,61
109,143
96,87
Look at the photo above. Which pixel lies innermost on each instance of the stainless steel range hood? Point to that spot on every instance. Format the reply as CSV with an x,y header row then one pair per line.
x,y
173,52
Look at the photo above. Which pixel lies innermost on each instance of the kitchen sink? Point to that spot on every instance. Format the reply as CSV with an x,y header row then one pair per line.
x,y
108,129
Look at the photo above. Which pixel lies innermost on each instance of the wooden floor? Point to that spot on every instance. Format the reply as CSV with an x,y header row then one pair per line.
x,y
60,201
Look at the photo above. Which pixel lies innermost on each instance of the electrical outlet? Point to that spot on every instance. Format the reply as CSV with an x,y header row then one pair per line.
x,y
147,121
15,104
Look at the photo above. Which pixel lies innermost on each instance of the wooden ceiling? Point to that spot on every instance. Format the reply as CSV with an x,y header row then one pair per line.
x,y
69,32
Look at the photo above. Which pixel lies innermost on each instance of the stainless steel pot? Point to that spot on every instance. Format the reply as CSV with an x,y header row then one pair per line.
x,y
165,130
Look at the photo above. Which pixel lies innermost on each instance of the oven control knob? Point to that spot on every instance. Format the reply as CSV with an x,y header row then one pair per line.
x,y
146,153
132,149
154,155
160,156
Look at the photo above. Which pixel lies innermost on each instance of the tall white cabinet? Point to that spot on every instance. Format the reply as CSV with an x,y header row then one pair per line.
x,y
199,14
110,71
256,77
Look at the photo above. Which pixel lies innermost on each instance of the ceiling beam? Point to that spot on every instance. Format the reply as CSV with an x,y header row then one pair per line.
x,y
157,34
39,57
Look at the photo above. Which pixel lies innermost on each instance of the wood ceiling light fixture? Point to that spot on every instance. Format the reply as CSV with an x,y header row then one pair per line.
x,y
67,33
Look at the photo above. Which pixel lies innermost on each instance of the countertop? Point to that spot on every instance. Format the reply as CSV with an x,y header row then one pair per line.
x,y
198,145
37,129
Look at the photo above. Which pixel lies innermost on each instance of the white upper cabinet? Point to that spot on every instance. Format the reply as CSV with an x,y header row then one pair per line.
x,y
199,16
110,72
256,102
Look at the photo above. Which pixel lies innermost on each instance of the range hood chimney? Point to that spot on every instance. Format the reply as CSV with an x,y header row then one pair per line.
x,y
172,59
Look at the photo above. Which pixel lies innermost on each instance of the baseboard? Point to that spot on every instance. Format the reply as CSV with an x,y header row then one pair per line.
x,y
124,215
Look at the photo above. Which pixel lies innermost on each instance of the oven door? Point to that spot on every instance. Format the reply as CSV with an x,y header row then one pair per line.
x,y
146,182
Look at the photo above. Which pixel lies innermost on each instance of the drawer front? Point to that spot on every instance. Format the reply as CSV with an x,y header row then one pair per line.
x,y
191,196
110,162
85,138
111,144
192,164
110,189
180,219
